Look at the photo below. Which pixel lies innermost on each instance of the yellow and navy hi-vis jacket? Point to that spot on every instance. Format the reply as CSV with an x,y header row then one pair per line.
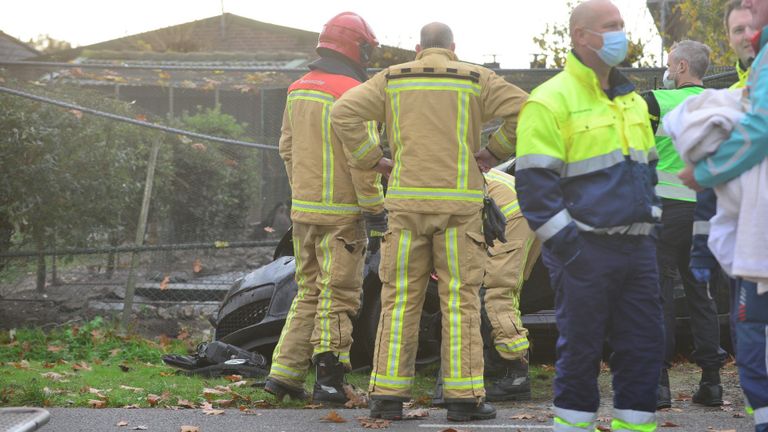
x,y
586,159
434,109
325,190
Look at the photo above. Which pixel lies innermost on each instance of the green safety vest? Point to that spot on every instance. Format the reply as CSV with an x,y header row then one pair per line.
x,y
669,160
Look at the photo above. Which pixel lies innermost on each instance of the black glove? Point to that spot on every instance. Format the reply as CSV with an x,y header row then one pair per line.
x,y
375,224
494,222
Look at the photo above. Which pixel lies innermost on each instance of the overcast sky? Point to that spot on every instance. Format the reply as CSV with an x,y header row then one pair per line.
x,y
481,28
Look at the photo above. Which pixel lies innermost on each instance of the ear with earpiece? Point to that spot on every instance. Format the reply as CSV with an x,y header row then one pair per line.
x,y
365,52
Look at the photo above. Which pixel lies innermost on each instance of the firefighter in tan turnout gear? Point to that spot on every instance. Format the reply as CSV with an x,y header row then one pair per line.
x,y
328,197
509,265
433,109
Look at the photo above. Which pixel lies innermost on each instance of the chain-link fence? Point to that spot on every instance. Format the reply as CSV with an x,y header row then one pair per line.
x,y
81,231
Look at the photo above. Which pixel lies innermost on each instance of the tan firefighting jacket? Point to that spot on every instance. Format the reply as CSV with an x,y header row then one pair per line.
x,y
325,190
434,109
501,187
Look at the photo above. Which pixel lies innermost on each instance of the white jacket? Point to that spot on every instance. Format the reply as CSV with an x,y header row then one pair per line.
x,y
737,237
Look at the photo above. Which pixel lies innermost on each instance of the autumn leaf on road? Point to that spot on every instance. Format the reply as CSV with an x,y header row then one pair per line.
x,y
186,428
669,424
370,423
523,416
197,266
333,417
121,423
417,413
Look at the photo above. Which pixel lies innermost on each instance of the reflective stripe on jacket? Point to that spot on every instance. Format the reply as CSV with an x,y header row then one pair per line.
x,y
669,160
324,189
434,109
586,161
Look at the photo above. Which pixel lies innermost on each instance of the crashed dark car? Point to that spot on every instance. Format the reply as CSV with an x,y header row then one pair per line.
x,y
254,310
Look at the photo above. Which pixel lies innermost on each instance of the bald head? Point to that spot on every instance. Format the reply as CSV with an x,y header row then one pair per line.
x,y
436,35
587,14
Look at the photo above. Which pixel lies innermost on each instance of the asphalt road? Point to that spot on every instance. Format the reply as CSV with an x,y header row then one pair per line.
x,y
515,417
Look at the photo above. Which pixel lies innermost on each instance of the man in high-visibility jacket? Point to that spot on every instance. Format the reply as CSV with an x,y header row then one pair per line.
x,y
686,65
738,26
585,180
329,239
508,266
434,108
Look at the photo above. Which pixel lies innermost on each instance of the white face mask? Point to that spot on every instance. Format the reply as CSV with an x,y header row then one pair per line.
x,y
668,82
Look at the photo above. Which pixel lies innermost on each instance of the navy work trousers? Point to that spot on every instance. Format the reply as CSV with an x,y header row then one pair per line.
x,y
610,290
752,350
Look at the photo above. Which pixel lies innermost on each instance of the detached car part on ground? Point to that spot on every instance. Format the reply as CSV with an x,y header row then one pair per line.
x,y
254,310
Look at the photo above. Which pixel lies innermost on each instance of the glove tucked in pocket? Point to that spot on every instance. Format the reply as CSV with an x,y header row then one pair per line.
x,y
494,222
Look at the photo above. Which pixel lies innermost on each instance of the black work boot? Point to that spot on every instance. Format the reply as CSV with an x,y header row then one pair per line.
x,y
386,409
329,386
466,411
280,390
710,392
663,394
506,380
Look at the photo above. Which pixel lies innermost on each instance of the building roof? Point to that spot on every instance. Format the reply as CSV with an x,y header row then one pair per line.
x,y
12,49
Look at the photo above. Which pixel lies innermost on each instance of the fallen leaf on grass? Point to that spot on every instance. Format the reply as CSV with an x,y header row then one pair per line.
x,y
233,378
54,348
356,400
96,403
153,399
135,389
417,413
52,376
238,383
81,366
224,403
132,406
261,403
20,365
183,403
669,424
122,423
209,393
190,429
313,406
370,423
333,417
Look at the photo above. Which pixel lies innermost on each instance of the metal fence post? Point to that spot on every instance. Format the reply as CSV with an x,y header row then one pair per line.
x,y
141,229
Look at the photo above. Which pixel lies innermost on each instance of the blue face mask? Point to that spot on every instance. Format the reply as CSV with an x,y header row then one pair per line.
x,y
615,47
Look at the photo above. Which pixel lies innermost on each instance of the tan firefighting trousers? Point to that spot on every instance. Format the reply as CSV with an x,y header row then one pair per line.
x,y
329,274
507,267
413,245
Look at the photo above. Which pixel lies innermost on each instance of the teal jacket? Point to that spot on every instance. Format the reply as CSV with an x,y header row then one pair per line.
x,y
748,143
